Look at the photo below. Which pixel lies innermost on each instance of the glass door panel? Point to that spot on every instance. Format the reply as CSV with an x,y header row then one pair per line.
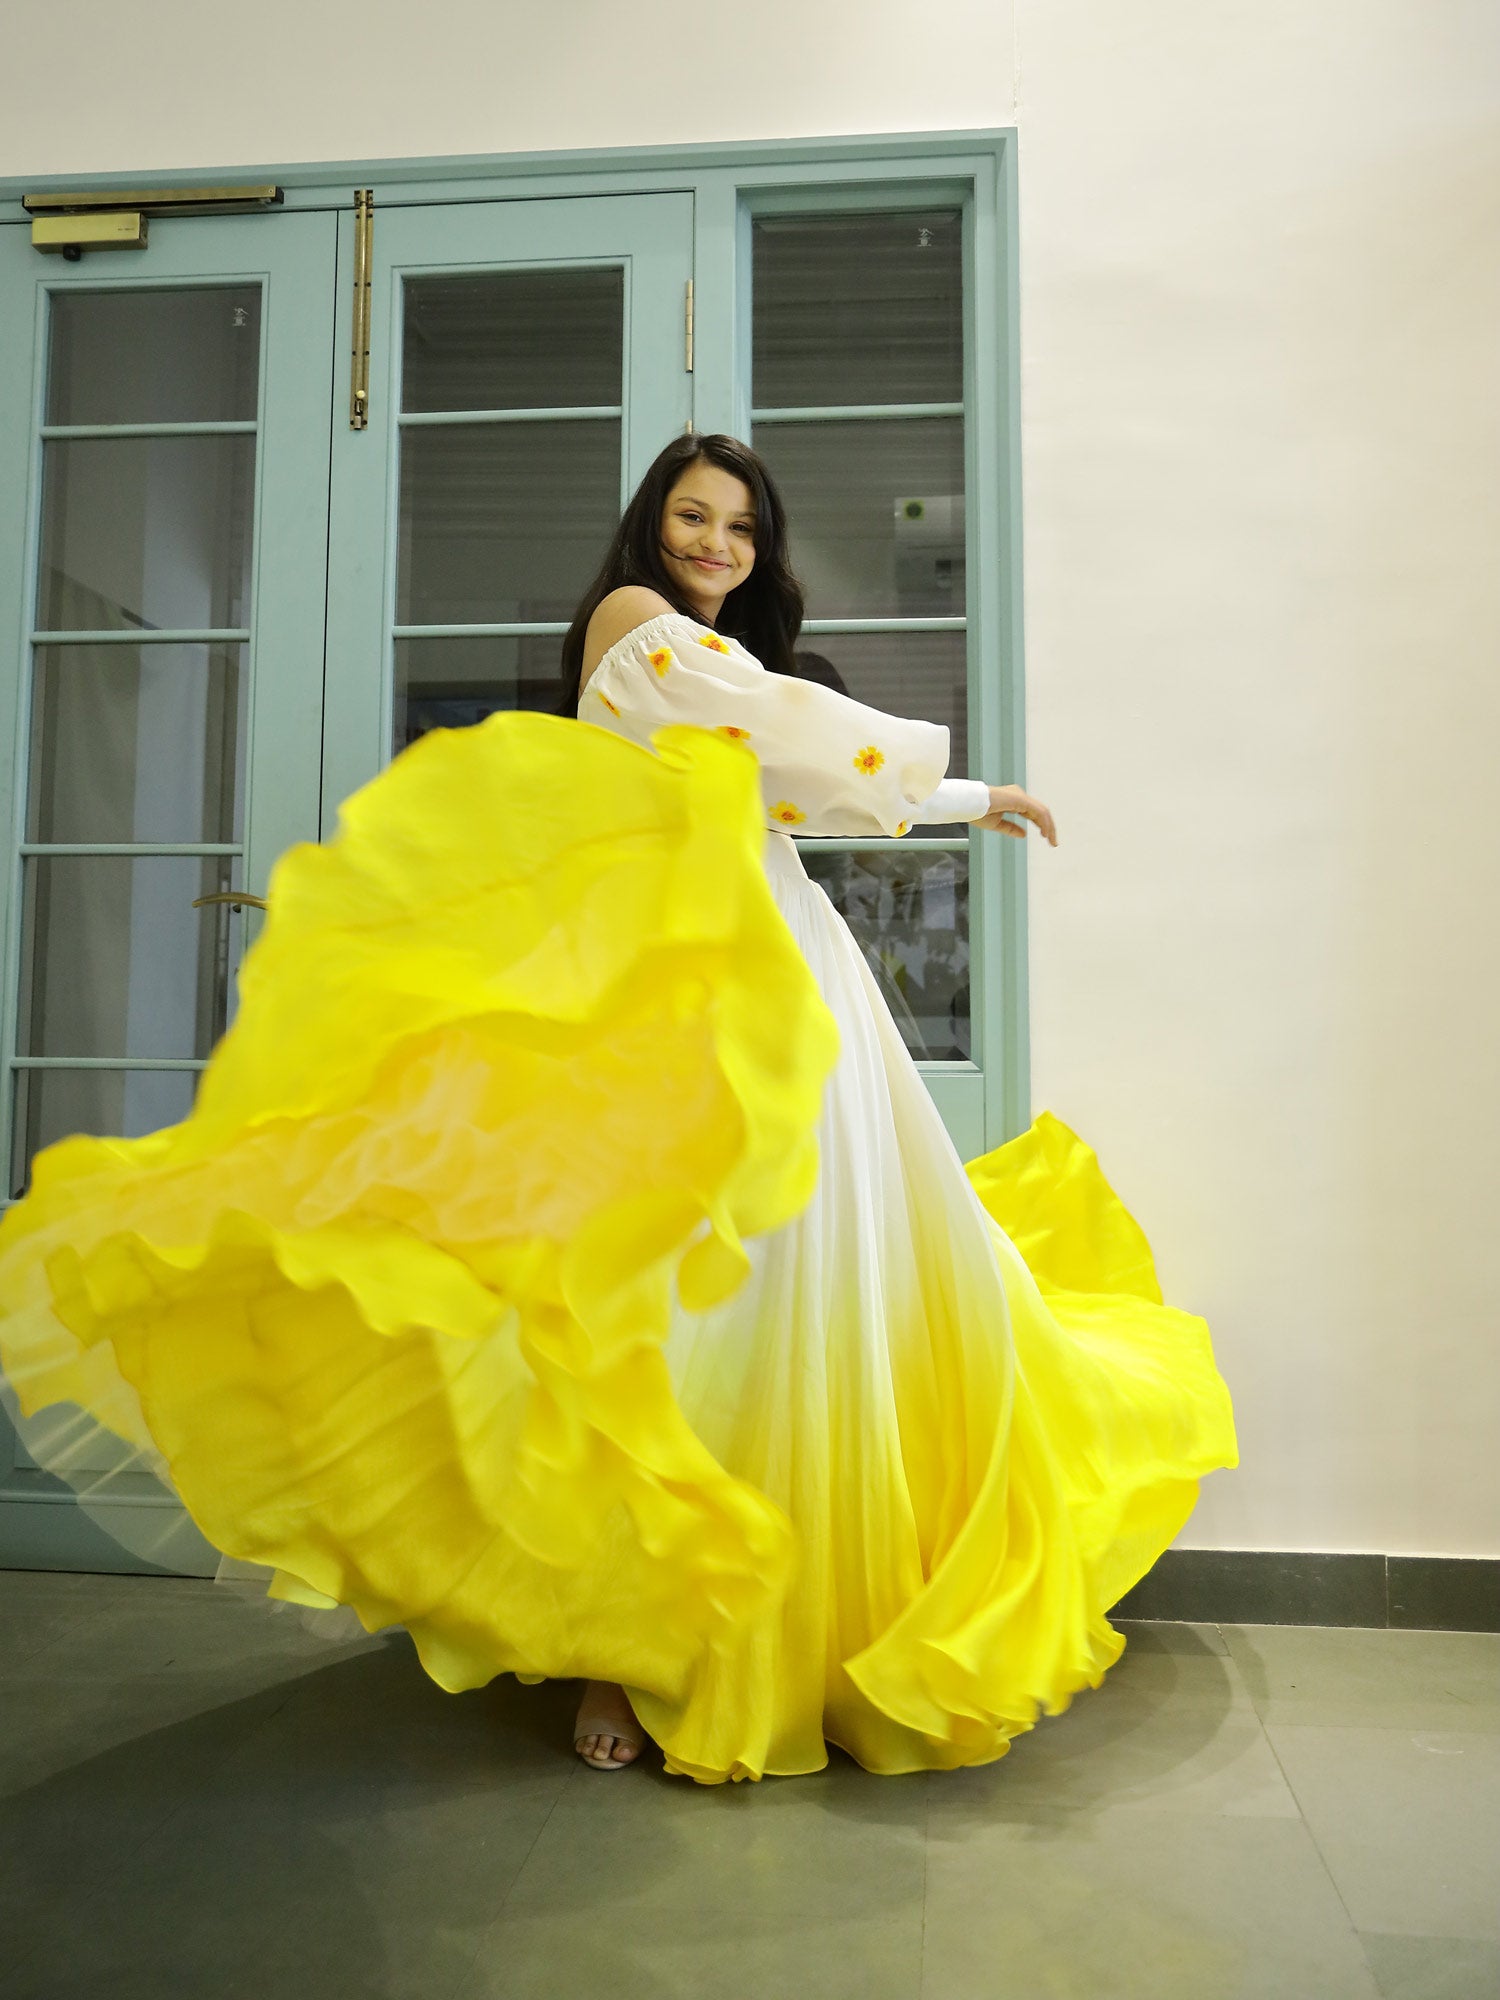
x,y
137,741
179,354
858,307
167,713
145,532
527,363
512,340
910,912
452,682
857,336
504,519
877,509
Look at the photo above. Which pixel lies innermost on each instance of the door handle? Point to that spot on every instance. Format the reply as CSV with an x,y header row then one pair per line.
x,y
236,899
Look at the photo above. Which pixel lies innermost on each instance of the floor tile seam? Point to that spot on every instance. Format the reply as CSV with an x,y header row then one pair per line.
x,y
1265,1705
176,1670
466,1978
206,1923
1438,1724
73,1623
60,1776
1477,1736
1490,1938
1092,1811
1359,1939
203,1775
26,1958
926,1863
1323,1861
98,1896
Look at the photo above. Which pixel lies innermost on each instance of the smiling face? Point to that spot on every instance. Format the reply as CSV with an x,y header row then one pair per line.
x,y
708,535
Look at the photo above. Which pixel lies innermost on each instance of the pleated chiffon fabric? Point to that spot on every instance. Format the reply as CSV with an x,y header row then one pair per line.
x,y
564,1260
979,1458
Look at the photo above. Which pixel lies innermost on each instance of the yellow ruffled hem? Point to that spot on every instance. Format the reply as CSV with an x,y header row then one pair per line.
x,y
1119,1410
389,1304
1086,1467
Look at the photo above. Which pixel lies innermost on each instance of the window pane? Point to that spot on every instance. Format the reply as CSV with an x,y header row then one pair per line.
x,y
919,674
451,683
504,522
513,340
876,511
858,309
154,357
136,743
148,532
118,961
909,912
52,1104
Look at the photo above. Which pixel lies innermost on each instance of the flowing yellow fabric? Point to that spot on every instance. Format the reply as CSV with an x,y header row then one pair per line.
x,y
1118,1410
493,1289
389,1303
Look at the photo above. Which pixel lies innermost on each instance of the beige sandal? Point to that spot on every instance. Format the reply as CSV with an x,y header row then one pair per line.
x,y
597,1717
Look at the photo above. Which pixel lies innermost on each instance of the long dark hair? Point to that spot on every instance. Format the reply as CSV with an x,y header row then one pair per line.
x,y
764,613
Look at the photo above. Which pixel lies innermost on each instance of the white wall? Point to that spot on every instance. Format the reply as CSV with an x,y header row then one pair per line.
x,y
1261,272
94,85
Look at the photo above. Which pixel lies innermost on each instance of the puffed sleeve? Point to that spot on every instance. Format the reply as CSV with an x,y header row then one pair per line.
x,y
828,764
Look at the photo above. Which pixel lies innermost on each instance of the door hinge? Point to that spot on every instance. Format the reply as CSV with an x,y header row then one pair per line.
x,y
687,326
359,345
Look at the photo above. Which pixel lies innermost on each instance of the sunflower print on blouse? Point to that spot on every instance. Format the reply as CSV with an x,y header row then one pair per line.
x,y
869,760
661,659
606,700
713,642
733,732
787,813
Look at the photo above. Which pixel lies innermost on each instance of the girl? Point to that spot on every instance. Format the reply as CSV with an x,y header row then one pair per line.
x,y
847,1326
564,1259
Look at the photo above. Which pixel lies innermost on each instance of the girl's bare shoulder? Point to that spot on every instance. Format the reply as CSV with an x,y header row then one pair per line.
x,y
616,615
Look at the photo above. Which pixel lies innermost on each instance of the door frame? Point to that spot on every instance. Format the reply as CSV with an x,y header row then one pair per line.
x,y
41,1523
983,1104
650,236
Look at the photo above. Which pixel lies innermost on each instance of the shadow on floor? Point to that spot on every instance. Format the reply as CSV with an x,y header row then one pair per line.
x,y
353,1831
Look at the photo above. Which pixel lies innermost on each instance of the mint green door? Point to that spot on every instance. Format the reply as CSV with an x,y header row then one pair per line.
x,y
528,360
222,609
165,423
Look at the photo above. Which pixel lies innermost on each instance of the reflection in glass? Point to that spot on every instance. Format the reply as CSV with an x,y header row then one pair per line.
x,y
154,357
452,683
116,960
858,309
52,1104
513,340
150,532
504,522
919,674
909,911
137,743
876,512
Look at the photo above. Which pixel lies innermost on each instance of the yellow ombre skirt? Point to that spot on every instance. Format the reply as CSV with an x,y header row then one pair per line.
x,y
564,1260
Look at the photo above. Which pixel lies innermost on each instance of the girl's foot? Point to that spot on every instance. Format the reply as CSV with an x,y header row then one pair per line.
x,y
606,1735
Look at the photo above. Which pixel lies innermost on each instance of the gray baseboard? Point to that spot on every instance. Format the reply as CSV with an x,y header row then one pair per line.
x,y
1275,1587
1188,1586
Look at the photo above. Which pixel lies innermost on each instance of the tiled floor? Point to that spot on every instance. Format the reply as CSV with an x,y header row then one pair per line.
x,y
200,1801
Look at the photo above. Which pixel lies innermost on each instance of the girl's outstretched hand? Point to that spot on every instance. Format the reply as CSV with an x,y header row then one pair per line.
x,y
1011,799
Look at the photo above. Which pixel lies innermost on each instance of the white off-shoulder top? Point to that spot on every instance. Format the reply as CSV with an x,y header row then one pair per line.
x,y
828,764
